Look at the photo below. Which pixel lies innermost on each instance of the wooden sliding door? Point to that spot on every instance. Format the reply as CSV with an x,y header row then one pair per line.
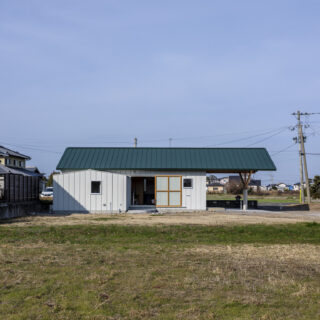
x,y
168,191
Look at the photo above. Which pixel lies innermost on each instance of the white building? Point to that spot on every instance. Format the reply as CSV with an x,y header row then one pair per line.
x,y
118,179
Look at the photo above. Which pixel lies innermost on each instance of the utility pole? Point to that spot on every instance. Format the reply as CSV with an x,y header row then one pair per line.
x,y
302,158
135,142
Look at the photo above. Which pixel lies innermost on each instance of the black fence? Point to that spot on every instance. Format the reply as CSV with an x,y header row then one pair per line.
x,y
16,188
231,204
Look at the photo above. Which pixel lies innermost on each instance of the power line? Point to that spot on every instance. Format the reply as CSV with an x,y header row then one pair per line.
x,y
267,138
246,138
211,136
28,148
285,149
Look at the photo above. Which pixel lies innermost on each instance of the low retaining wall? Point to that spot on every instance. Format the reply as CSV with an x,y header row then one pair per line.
x,y
231,204
285,207
20,209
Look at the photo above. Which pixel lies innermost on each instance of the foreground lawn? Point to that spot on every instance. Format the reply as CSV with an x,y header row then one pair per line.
x,y
160,272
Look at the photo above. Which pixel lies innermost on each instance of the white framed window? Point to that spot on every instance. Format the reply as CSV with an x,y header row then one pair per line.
x,y
95,187
187,183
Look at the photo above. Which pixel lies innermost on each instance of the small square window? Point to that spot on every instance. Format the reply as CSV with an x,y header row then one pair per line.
x,y
96,187
187,183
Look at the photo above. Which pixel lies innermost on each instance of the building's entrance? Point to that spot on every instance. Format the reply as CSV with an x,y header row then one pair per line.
x,y
142,191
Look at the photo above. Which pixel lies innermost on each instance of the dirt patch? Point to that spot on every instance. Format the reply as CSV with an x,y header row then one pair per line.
x,y
198,218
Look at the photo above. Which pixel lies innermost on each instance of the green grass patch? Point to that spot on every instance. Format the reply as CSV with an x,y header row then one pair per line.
x,y
160,272
186,234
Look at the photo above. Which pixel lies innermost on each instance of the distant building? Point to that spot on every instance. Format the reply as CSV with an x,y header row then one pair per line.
x,y
212,179
215,187
254,183
296,186
272,186
224,180
18,183
282,187
12,158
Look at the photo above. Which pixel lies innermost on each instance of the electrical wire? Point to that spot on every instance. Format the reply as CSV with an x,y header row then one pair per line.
x,y
250,137
267,138
35,149
285,149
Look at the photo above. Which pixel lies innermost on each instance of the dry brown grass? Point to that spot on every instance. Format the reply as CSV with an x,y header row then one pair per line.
x,y
203,282
181,218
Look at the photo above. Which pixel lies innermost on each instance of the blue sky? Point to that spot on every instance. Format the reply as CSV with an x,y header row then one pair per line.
x,y
204,73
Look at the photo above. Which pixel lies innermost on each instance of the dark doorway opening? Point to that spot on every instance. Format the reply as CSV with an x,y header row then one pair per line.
x,y
142,191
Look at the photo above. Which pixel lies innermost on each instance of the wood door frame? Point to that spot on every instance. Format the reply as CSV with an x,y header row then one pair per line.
x,y
168,191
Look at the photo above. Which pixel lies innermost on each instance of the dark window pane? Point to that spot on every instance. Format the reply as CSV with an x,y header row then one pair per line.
x,y
95,186
187,183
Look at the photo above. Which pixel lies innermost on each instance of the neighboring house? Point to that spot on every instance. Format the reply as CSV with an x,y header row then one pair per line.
x,y
119,179
212,179
282,187
17,183
254,184
215,187
296,186
224,180
12,158
272,186
42,181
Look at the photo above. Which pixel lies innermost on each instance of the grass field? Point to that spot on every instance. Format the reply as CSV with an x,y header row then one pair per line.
x,y
160,272
261,199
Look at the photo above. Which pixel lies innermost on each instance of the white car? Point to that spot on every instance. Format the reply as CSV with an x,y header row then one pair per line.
x,y
47,193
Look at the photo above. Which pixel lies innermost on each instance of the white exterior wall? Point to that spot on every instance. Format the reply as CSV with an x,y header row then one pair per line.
x,y
72,192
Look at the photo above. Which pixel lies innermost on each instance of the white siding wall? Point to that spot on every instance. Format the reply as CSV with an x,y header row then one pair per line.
x,y
72,192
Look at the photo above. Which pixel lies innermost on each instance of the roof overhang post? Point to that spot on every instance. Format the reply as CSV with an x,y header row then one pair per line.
x,y
245,180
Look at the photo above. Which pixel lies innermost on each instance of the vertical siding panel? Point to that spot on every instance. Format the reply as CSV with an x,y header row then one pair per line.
x,y
61,192
84,191
115,192
93,198
88,185
99,204
55,194
72,193
104,191
81,189
77,191
111,192
66,190
124,193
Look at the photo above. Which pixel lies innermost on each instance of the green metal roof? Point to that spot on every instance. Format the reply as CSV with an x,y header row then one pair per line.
x,y
206,159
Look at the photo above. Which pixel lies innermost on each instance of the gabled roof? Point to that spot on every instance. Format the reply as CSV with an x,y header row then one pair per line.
x,y
5,152
33,169
21,171
205,159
